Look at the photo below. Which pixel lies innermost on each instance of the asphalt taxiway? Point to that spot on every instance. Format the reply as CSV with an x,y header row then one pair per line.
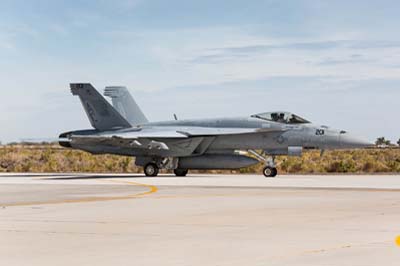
x,y
100,219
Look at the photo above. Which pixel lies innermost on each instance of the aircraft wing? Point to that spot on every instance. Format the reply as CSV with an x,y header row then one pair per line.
x,y
174,133
163,141
146,142
216,131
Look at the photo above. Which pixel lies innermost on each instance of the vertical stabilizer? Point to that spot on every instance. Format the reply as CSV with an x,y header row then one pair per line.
x,y
125,104
101,114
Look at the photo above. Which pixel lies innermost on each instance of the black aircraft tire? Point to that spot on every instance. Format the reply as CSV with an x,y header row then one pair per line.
x,y
151,169
270,171
181,172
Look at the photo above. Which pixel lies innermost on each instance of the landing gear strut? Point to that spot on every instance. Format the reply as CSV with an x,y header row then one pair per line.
x,y
270,166
151,169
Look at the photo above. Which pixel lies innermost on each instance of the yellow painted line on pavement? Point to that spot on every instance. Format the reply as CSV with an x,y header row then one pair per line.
x,y
398,241
151,189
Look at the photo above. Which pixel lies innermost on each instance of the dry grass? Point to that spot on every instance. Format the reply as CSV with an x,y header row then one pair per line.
x,y
52,158
355,161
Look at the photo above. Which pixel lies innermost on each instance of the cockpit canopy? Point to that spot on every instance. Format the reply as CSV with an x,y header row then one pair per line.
x,y
281,117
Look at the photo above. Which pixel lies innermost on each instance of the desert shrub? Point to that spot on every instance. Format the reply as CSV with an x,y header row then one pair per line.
x,y
52,158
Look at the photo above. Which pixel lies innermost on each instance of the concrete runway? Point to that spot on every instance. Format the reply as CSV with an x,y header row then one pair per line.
x,y
81,219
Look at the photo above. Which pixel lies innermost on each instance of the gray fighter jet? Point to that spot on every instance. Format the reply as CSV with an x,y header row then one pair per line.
x,y
181,145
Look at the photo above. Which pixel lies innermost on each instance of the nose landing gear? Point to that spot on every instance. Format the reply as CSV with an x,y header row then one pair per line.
x,y
270,171
270,165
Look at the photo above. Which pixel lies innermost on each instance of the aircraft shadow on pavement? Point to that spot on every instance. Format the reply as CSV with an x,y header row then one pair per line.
x,y
96,176
77,177
72,176
35,175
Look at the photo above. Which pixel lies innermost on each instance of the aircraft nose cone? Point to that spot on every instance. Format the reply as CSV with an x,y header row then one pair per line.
x,y
351,142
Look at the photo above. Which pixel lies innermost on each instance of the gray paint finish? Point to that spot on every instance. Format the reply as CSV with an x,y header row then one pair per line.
x,y
125,105
276,133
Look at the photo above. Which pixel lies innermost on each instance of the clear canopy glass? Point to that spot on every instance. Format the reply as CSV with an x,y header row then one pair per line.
x,y
281,117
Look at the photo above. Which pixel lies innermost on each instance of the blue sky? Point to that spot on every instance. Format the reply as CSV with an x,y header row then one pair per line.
x,y
333,62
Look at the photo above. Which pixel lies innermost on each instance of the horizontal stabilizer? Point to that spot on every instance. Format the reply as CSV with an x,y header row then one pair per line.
x,y
101,114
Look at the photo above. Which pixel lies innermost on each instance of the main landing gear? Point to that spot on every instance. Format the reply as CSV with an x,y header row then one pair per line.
x,y
152,168
181,172
270,166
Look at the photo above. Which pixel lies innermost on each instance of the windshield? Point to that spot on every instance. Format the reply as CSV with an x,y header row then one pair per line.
x,y
282,117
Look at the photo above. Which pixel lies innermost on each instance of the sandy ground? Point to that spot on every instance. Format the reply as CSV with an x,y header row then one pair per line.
x,y
241,220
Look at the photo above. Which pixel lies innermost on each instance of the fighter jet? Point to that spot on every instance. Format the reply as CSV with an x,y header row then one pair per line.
x,y
182,145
